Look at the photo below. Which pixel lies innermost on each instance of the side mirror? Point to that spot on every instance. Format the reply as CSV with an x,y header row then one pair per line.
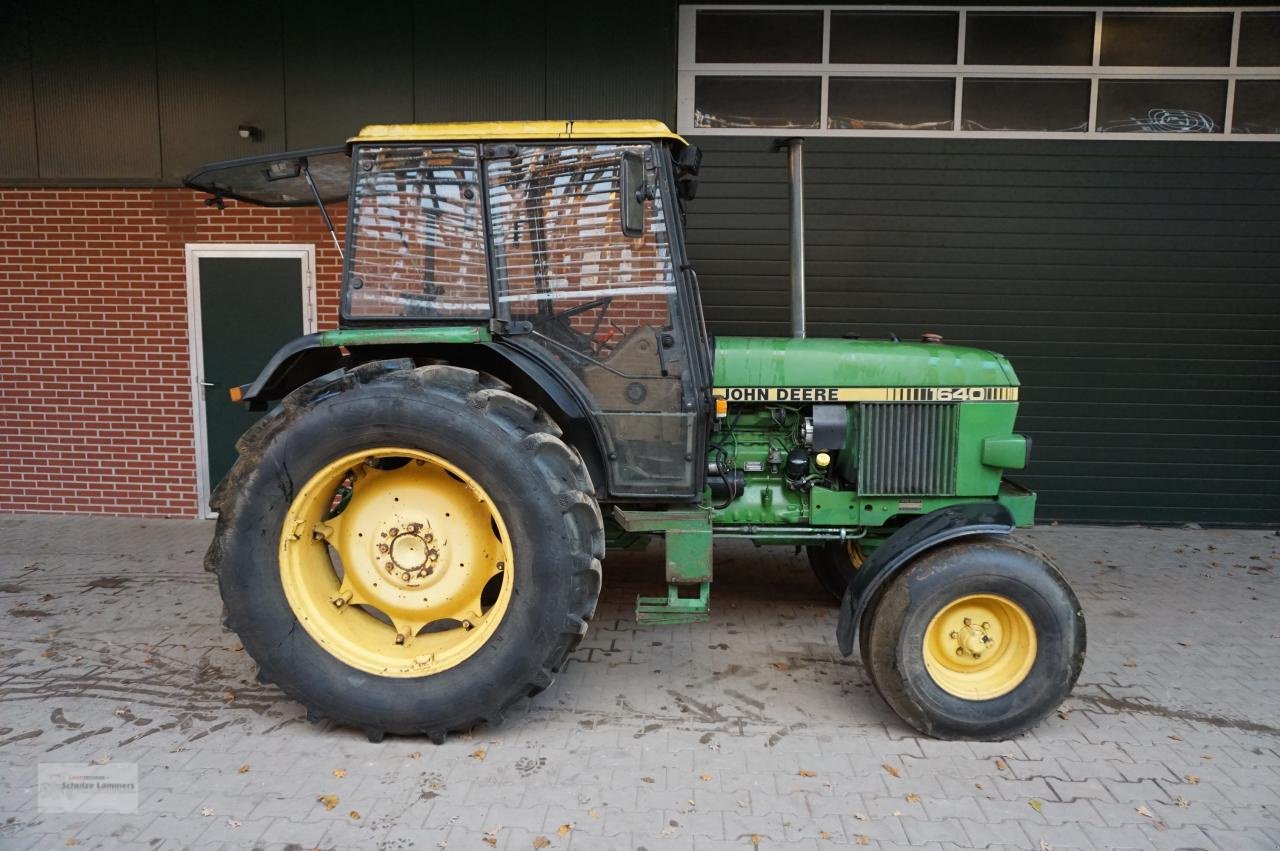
x,y
635,191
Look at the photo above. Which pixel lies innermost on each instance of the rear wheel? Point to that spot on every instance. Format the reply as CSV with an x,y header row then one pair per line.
x,y
979,639
834,564
407,550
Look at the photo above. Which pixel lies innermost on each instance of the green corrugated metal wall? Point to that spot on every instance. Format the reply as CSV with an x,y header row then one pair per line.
x,y
1135,286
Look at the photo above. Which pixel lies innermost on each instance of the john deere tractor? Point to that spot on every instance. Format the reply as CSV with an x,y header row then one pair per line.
x,y
522,379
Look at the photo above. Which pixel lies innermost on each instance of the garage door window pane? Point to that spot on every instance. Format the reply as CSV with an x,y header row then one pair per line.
x,y
1161,106
1259,39
757,101
759,37
1173,39
1257,107
1028,38
880,103
894,38
1037,105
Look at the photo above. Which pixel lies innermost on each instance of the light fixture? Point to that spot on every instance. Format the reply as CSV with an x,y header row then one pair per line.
x,y
250,132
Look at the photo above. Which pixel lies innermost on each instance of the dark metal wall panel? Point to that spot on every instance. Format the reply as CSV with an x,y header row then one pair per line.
x,y
94,72
17,110
1135,286
611,61
209,84
345,71
480,61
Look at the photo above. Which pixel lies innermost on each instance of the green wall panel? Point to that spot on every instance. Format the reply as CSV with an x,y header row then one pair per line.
x,y
1135,286
94,74
210,86
480,61
345,71
17,109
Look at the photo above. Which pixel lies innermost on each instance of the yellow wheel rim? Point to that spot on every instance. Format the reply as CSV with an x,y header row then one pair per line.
x,y
980,646
396,562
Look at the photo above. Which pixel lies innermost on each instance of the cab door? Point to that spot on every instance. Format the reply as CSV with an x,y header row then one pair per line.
x,y
599,305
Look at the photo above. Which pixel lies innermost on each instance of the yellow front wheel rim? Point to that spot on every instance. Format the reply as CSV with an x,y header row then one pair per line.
x,y
396,562
980,646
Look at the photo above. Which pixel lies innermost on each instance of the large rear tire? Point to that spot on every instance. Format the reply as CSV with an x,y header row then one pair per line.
x,y
978,639
407,550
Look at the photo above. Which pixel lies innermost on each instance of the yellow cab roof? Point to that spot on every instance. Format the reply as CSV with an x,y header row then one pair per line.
x,y
466,131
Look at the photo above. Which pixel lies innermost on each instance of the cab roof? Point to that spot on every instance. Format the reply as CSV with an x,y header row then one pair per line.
x,y
465,131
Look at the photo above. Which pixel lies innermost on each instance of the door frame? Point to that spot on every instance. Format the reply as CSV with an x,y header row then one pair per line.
x,y
305,254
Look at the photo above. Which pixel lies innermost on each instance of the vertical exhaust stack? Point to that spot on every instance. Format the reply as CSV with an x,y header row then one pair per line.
x,y
795,177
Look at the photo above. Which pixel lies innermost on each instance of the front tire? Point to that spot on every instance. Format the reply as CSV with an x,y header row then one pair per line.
x,y
979,639
834,564
471,597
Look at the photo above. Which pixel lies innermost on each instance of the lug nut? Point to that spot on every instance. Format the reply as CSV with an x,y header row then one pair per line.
x,y
503,566
383,548
394,531
959,651
955,634
399,638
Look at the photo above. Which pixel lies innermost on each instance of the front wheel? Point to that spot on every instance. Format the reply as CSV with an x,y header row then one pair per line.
x,y
979,639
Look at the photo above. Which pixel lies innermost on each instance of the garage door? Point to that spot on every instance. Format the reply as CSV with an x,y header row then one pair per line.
x,y
1135,286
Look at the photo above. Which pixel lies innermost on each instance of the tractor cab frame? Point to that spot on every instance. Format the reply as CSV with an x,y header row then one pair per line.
x,y
558,245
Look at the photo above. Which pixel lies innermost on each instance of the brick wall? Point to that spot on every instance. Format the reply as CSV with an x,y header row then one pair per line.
x,y
95,399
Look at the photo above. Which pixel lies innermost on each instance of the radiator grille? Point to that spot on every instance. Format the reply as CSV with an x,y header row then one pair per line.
x,y
907,449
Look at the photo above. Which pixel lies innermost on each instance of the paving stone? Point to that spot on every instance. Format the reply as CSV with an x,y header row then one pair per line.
x,y
751,699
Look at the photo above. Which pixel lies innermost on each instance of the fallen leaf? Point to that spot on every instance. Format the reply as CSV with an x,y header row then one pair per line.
x,y
1131,664
479,754
804,772
1206,756
913,798
232,823
755,840
1062,713
1182,802
228,696
822,834
593,813
862,839
1045,846
781,666
1036,804
1176,738
339,773
205,811
894,770
860,816
541,842
416,755
705,778
1143,810
563,830
1001,765
329,801
1193,779
978,786
72,841
354,815
244,769
491,841
646,779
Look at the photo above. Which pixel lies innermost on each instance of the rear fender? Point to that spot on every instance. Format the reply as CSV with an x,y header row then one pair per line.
x,y
921,534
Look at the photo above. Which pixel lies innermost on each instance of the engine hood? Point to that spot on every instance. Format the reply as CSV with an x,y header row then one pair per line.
x,y
818,362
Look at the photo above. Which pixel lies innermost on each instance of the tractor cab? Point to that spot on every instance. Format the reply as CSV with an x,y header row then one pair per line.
x,y
560,241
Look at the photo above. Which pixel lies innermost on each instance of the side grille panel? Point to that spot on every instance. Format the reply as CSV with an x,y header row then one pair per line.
x,y
907,449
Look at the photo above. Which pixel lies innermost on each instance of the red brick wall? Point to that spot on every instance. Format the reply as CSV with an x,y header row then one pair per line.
x,y
95,398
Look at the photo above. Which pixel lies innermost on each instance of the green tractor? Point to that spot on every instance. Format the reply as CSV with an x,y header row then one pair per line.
x,y
522,380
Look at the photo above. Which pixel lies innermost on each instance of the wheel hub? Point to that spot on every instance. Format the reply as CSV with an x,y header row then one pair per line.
x,y
409,554
979,646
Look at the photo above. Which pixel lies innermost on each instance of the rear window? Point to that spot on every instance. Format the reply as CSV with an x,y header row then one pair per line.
x,y
418,235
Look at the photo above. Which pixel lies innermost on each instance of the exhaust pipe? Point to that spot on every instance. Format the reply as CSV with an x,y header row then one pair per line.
x,y
795,176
